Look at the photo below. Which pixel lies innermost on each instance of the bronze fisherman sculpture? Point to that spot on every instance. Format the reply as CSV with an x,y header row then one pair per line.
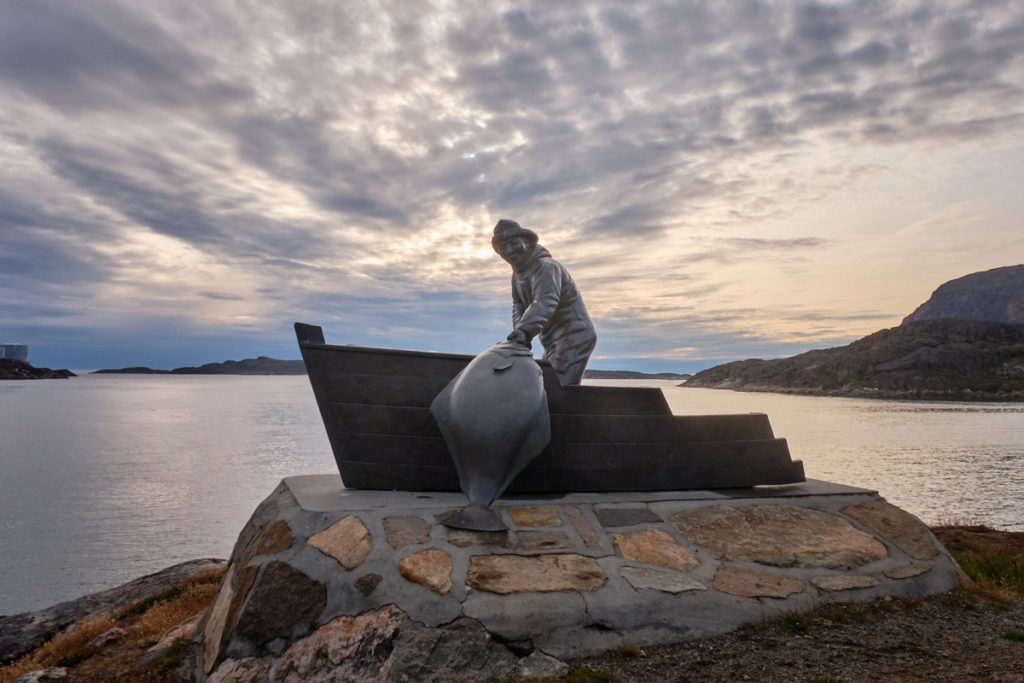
x,y
545,302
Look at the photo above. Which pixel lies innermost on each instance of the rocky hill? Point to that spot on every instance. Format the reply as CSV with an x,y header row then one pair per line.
x,y
926,359
19,369
966,342
250,366
996,295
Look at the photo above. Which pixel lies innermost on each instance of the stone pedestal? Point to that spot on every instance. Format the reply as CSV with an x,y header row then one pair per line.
x,y
332,584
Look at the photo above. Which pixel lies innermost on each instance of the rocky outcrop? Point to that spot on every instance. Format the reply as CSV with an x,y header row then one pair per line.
x,y
19,369
965,343
996,295
927,359
22,633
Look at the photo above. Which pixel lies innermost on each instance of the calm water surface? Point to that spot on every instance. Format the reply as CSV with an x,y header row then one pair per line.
x,y
104,478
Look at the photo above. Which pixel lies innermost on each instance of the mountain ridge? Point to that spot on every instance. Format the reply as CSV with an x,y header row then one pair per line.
x,y
965,343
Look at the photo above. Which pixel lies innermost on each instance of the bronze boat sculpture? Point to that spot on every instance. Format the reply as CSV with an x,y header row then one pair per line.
x,y
375,404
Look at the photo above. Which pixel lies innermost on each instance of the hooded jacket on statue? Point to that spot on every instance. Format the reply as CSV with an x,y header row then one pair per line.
x,y
546,304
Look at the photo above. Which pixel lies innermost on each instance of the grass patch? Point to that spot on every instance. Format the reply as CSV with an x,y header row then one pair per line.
x,y
629,652
171,659
585,674
999,570
825,679
796,623
68,648
1015,636
144,621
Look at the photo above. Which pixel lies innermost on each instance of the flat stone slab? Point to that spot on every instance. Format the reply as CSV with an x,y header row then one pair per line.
x,y
375,575
779,535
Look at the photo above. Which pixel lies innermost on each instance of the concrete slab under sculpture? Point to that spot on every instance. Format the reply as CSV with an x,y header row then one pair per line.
x,y
494,418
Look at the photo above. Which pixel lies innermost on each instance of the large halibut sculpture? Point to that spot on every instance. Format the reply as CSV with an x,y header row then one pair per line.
x,y
494,417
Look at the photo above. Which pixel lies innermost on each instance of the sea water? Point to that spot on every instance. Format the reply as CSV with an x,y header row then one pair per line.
x,y
104,478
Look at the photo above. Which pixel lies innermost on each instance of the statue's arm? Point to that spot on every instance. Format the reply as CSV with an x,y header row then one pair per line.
x,y
547,288
518,305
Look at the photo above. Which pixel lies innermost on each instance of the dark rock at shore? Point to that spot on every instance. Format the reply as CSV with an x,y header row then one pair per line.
x,y
996,295
926,359
250,366
137,370
631,374
19,369
22,633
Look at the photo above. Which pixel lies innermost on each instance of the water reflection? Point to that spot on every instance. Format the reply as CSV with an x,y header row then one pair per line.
x,y
941,461
107,477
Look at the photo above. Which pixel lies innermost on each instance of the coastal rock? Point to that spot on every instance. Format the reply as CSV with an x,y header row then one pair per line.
x,y
504,574
217,620
114,635
779,536
896,525
11,368
183,630
22,633
347,541
246,670
431,568
54,673
655,547
748,583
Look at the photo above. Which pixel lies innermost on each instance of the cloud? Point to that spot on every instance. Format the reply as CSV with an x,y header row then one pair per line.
x,y
229,165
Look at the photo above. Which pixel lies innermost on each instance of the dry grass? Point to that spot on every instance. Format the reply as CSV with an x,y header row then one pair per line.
x,y
993,559
144,622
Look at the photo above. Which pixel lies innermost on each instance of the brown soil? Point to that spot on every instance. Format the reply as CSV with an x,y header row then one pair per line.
x,y
975,634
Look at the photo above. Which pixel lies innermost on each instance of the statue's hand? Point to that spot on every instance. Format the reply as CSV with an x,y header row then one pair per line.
x,y
519,337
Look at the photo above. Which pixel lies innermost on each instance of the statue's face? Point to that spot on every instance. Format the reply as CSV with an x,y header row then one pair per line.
x,y
517,249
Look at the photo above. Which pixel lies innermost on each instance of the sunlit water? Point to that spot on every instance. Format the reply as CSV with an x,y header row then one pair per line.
x,y
108,477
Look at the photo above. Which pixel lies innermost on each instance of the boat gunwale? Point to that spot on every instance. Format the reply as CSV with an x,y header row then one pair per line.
x,y
434,355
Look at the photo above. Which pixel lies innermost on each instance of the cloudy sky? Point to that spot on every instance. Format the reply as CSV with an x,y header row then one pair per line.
x,y
181,181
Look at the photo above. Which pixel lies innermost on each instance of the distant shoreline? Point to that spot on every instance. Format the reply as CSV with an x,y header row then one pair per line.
x,y
261,365
966,396
272,366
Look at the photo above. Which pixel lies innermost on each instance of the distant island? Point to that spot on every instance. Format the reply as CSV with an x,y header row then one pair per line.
x,y
631,374
272,366
11,368
261,365
965,343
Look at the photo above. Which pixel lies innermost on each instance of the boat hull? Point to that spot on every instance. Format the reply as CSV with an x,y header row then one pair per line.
x,y
375,405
